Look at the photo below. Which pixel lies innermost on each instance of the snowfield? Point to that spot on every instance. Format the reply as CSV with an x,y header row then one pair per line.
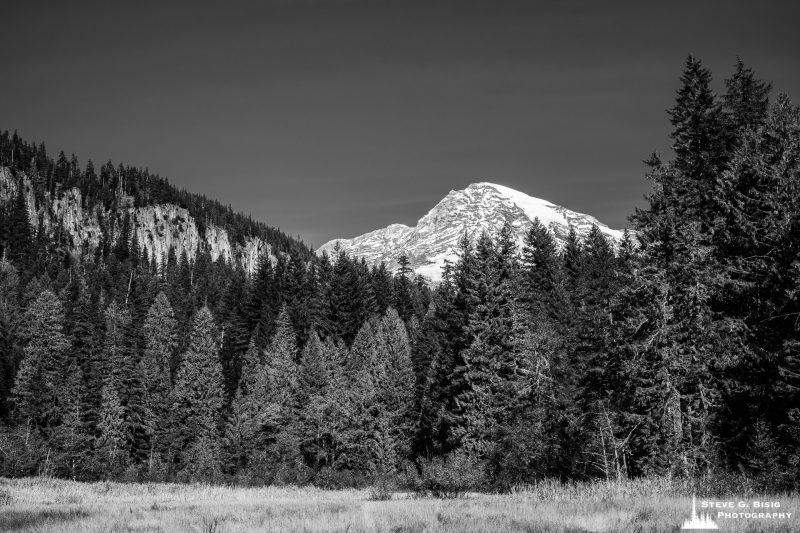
x,y
480,207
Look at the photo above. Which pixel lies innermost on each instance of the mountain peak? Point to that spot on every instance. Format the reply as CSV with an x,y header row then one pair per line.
x,y
480,207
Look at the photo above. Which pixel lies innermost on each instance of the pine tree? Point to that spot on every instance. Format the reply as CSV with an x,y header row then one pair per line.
x,y
440,409
688,342
493,362
350,300
160,339
403,291
197,400
85,339
357,416
111,446
319,383
382,287
758,252
279,389
72,438
4,232
541,274
698,142
396,389
121,374
36,390
746,101
314,372
123,245
10,351
20,235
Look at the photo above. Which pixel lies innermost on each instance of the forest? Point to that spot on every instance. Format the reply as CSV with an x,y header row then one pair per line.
x,y
673,353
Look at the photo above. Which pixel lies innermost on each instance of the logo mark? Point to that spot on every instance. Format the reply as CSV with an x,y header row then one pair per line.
x,y
701,521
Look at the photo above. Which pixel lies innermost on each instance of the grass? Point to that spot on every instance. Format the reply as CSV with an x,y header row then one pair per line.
x,y
36,504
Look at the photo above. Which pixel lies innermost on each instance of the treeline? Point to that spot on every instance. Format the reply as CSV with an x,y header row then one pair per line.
x,y
674,352
110,185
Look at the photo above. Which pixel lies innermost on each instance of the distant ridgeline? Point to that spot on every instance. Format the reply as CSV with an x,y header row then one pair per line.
x,y
83,208
152,334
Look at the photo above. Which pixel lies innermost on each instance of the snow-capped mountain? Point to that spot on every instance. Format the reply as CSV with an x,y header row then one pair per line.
x,y
480,207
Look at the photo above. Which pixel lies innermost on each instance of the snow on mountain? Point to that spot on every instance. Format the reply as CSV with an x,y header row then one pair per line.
x,y
480,207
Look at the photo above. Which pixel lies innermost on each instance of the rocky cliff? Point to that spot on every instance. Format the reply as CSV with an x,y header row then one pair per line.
x,y
158,227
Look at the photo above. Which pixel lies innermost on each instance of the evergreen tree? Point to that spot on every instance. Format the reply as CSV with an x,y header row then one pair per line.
x,y
197,401
123,246
279,390
10,351
20,234
85,338
111,448
746,101
493,362
541,274
314,372
121,375
72,438
36,390
698,142
160,341
396,389
758,256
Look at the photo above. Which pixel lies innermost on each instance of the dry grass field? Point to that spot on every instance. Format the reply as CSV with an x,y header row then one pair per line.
x,y
36,504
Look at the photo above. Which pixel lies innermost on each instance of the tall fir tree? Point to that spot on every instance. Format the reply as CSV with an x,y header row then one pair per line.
x,y
197,401
36,390
160,342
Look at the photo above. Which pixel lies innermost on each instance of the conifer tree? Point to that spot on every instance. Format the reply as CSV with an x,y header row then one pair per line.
x,y
319,383
758,253
20,234
123,245
396,389
10,351
279,390
440,409
111,446
541,274
85,339
683,281
382,287
493,362
121,374
746,101
4,233
314,372
197,400
699,146
160,341
36,390
72,437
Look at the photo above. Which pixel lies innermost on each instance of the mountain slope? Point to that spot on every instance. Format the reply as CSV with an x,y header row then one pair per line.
x,y
480,207
86,209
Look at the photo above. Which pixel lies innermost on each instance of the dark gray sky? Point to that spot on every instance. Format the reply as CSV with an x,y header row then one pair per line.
x,y
330,118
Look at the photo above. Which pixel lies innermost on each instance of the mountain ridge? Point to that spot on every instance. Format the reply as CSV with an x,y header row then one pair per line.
x,y
481,206
80,207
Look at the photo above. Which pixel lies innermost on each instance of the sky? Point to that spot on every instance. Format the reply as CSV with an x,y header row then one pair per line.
x,y
331,118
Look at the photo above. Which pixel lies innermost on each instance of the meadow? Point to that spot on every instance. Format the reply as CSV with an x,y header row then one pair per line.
x,y
42,504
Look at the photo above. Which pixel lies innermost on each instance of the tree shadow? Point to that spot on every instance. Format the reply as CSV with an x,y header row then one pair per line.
x,y
12,520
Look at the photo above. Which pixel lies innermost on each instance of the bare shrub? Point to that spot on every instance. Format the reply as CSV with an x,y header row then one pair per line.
x,y
451,476
382,488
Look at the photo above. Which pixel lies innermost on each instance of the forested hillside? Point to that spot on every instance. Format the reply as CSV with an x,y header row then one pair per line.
x,y
677,353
